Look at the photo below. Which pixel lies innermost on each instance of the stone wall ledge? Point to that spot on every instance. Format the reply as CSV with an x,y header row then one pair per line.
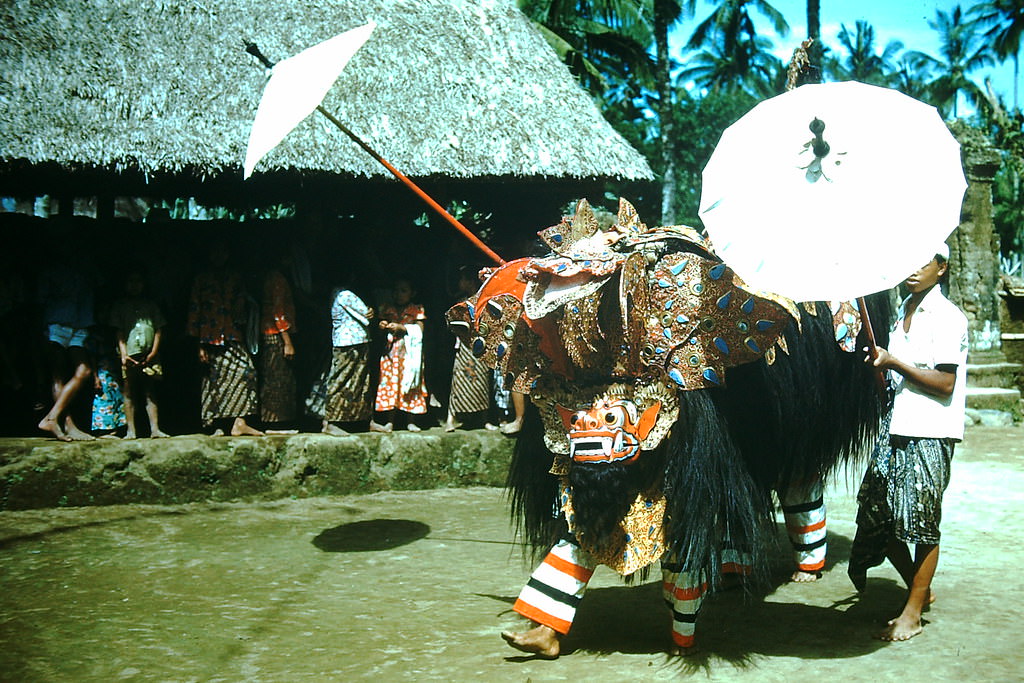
x,y
43,473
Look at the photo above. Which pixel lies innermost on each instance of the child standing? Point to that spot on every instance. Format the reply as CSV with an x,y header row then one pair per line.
x,y
401,384
139,324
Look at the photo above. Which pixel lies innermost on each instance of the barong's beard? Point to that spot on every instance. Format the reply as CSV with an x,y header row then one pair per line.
x,y
602,494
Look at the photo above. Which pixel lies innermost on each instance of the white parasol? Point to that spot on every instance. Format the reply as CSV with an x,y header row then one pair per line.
x,y
849,213
296,88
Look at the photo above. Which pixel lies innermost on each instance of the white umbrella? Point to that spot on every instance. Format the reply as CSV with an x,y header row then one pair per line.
x,y
840,221
296,88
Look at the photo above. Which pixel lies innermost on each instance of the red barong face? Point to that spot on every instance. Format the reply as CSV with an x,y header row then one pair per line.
x,y
611,430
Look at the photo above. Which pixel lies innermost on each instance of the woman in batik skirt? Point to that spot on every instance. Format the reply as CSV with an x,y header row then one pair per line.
x,y
342,394
216,315
401,388
471,379
277,378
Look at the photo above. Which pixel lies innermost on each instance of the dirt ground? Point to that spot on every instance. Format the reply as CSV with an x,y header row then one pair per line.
x,y
415,586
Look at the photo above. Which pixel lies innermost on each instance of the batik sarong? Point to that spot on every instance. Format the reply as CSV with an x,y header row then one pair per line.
x,y
229,386
107,403
342,394
471,383
901,497
277,381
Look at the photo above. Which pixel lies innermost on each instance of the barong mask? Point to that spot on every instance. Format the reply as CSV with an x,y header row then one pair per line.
x,y
604,423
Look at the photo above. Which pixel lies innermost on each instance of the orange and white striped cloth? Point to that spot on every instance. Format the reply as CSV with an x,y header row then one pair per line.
x,y
803,507
556,587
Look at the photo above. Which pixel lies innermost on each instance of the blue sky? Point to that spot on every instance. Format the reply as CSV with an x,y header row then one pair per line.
x,y
904,20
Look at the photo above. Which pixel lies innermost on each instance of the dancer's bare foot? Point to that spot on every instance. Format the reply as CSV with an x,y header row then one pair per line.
x,y
903,627
218,432
800,576
491,427
384,429
333,430
130,434
676,651
513,427
543,641
413,427
449,426
242,428
157,434
73,433
48,424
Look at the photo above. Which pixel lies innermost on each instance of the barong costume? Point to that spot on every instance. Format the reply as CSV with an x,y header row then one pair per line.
x,y
277,378
901,494
217,311
670,400
342,394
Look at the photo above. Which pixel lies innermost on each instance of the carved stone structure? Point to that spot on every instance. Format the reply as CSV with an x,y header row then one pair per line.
x,y
974,246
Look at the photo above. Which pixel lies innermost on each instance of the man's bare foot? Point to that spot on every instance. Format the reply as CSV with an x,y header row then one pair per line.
x,y
449,426
242,428
901,628
111,435
413,427
491,427
73,433
218,432
333,430
384,429
511,428
800,576
543,641
48,424
157,434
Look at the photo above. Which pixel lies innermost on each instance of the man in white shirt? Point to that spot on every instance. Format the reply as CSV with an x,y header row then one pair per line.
x,y
900,500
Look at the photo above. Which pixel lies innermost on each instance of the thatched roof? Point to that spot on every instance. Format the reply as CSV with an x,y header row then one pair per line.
x,y
459,88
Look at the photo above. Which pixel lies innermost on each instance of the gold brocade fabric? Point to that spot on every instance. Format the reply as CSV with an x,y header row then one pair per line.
x,y
640,538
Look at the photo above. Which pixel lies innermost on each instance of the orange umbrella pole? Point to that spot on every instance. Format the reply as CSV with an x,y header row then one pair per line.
x,y
252,49
414,187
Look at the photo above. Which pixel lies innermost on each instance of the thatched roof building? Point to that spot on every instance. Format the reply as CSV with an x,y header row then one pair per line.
x,y
157,97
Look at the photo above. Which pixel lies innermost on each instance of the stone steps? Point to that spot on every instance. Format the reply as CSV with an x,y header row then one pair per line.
x,y
992,387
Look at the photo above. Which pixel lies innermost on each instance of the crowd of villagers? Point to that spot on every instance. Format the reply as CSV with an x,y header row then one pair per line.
x,y
270,349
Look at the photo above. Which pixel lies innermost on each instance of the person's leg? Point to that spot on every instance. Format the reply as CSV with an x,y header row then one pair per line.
x,y
519,405
550,598
803,507
80,377
684,594
131,387
152,410
908,623
56,358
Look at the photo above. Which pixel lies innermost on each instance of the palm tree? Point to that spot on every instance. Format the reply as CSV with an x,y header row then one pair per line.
x,y
665,14
746,66
814,32
597,39
732,20
862,63
961,52
1004,24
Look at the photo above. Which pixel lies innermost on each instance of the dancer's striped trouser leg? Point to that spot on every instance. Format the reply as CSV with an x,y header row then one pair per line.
x,y
556,587
683,594
803,507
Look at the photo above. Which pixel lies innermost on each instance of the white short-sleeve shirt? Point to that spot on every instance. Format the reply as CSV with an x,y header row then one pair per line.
x,y
349,320
938,336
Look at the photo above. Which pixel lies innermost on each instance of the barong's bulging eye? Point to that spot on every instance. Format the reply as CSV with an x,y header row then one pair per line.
x,y
614,417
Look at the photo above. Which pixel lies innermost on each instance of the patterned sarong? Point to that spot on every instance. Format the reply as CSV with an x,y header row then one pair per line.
x,y
342,394
277,381
471,383
901,497
229,387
